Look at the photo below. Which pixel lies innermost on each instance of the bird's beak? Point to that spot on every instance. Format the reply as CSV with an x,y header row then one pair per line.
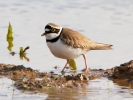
x,y
43,34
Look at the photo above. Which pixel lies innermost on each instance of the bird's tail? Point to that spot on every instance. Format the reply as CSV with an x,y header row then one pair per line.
x,y
101,46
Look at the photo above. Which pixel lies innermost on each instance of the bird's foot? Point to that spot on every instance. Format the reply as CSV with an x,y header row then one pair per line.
x,y
86,70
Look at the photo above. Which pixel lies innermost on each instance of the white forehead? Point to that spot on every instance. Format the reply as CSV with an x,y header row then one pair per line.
x,y
46,29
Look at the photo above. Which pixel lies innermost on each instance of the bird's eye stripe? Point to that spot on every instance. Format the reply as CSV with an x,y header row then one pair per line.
x,y
48,27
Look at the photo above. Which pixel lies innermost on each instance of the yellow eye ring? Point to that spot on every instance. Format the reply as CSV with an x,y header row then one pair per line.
x,y
53,30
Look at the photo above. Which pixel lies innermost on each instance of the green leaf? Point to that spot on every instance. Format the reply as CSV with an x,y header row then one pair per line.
x,y
9,38
21,50
10,44
21,53
9,33
72,64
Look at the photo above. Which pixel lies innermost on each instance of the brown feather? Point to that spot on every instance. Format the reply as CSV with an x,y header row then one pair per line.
x,y
78,40
53,24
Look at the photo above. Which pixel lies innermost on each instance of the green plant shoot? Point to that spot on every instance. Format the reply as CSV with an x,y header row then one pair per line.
x,y
21,53
9,34
72,64
9,38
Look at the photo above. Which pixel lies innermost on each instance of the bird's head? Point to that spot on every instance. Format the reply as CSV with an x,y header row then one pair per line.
x,y
52,31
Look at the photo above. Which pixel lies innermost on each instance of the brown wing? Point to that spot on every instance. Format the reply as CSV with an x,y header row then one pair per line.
x,y
75,39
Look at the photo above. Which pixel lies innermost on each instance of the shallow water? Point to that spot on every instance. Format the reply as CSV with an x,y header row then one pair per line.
x,y
98,89
103,21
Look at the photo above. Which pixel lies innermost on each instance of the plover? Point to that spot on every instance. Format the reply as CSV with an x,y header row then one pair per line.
x,y
69,44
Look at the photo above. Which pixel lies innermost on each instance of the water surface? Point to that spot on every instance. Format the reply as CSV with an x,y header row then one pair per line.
x,y
98,89
104,21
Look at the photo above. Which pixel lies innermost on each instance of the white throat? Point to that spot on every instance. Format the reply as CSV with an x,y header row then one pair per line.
x,y
53,35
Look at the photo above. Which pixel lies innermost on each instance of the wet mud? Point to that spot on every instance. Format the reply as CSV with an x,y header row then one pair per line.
x,y
123,71
30,79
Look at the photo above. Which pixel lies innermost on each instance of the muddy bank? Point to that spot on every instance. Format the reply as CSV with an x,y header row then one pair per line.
x,y
29,79
123,71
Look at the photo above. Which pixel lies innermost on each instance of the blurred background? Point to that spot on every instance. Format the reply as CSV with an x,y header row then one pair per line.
x,y
104,21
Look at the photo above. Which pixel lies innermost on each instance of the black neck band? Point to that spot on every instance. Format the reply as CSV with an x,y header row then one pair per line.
x,y
55,39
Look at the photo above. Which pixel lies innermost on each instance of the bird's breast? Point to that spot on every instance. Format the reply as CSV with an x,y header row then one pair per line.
x,y
61,50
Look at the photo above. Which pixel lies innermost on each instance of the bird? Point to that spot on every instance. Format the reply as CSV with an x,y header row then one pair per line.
x,y
66,43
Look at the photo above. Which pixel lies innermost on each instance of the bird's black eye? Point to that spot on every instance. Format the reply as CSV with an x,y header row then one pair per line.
x,y
53,30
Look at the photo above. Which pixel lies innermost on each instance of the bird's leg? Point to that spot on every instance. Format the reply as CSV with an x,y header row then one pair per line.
x,y
86,66
65,65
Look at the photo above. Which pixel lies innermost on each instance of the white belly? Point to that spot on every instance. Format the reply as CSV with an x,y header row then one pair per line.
x,y
60,50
